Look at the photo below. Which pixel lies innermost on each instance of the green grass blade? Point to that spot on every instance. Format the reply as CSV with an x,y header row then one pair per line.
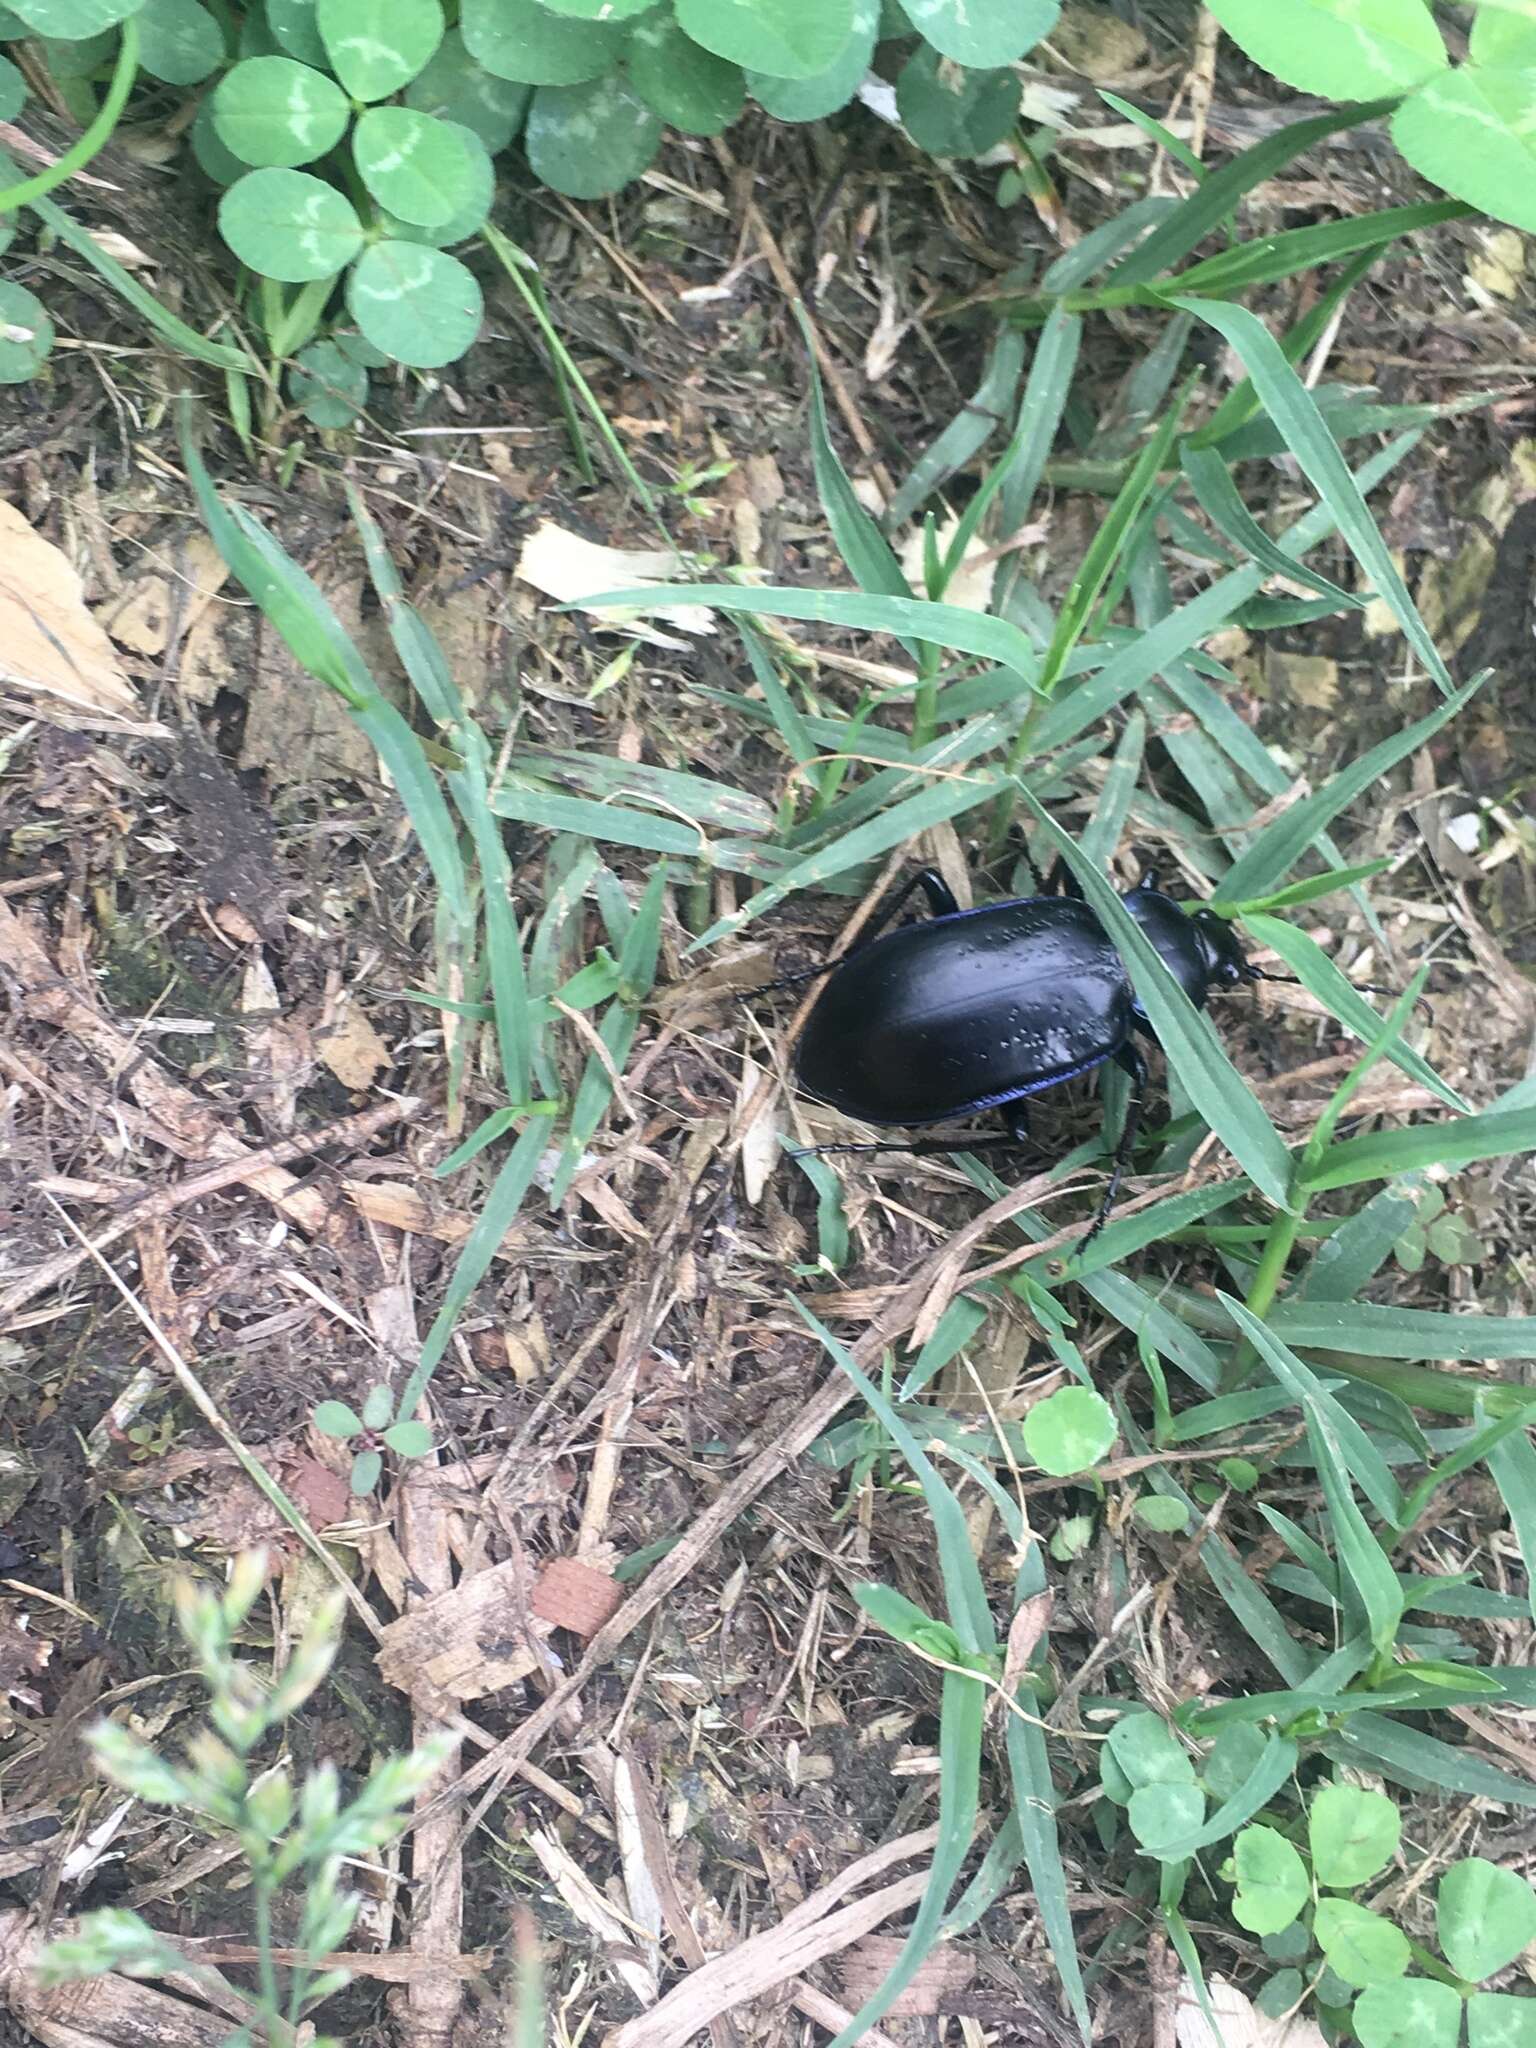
x,y
1187,1036
1351,1256
782,709
1360,1554
1046,391
611,824
968,432
217,354
1308,890
905,618
1101,835
1107,544
1422,1761
1034,1810
903,821
1294,411
1463,1141
299,613
866,553
1242,401
1338,994
1283,841
1156,132
1512,1463
1272,257
527,282
1211,482
1220,190
669,789
1103,244
508,1192
1383,1330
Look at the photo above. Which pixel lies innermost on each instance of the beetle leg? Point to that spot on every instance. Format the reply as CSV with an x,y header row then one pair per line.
x,y
1016,1116
1132,1062
917,1148
941,903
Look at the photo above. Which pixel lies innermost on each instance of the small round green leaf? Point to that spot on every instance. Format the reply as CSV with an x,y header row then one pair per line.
x,y
26,334
599,10
1069,1431
1469,131
359,350
1162,1815
1148,1751
81,57
461,90
293,25
418,305
982,33
522,40
950,111
13,90
366,1468
689,87
812,99
1281,1994
1496,2019
290,225
214,160
335,1418
1352,1833
409,1439
327,386
1162,1513
376,50
589,140
378,1407
1415,2012
1343,49
1361,1947
471,216
12,27
785,38
179,41
1272,1882
72,20
272,111
414,165
1485,1917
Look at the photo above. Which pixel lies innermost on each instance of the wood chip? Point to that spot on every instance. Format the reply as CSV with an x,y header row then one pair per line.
x,y
940,1977
466,1643
570,1594
352,1049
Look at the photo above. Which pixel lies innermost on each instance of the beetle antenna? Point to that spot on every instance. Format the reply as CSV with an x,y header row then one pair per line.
x,y
1366,988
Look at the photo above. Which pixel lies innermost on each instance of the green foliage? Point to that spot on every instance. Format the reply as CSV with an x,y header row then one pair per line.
x,y
370,104
292,1839
1466,129
26,334
1069,1431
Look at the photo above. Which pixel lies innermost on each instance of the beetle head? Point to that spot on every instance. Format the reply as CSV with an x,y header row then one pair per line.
x,y
1226,964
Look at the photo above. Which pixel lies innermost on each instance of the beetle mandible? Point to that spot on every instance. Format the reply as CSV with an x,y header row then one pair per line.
x,y
980,1009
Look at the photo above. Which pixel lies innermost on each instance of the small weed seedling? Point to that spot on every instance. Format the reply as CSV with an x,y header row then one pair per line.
x,y
289,1836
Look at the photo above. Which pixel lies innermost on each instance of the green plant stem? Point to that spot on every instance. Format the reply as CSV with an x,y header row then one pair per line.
x,y
1273,1260
262,1889
95,138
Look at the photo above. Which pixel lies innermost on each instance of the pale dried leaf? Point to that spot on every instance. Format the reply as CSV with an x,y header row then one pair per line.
x,y
594,1912
1241,2024
760,1140
49,643
352,1049
143,617
639,1885
971,585
568,567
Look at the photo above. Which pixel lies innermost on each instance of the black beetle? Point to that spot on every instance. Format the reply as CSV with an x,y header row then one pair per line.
x,y
980,1009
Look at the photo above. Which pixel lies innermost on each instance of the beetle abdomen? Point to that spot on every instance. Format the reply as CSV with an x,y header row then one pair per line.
x,y
966,1013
